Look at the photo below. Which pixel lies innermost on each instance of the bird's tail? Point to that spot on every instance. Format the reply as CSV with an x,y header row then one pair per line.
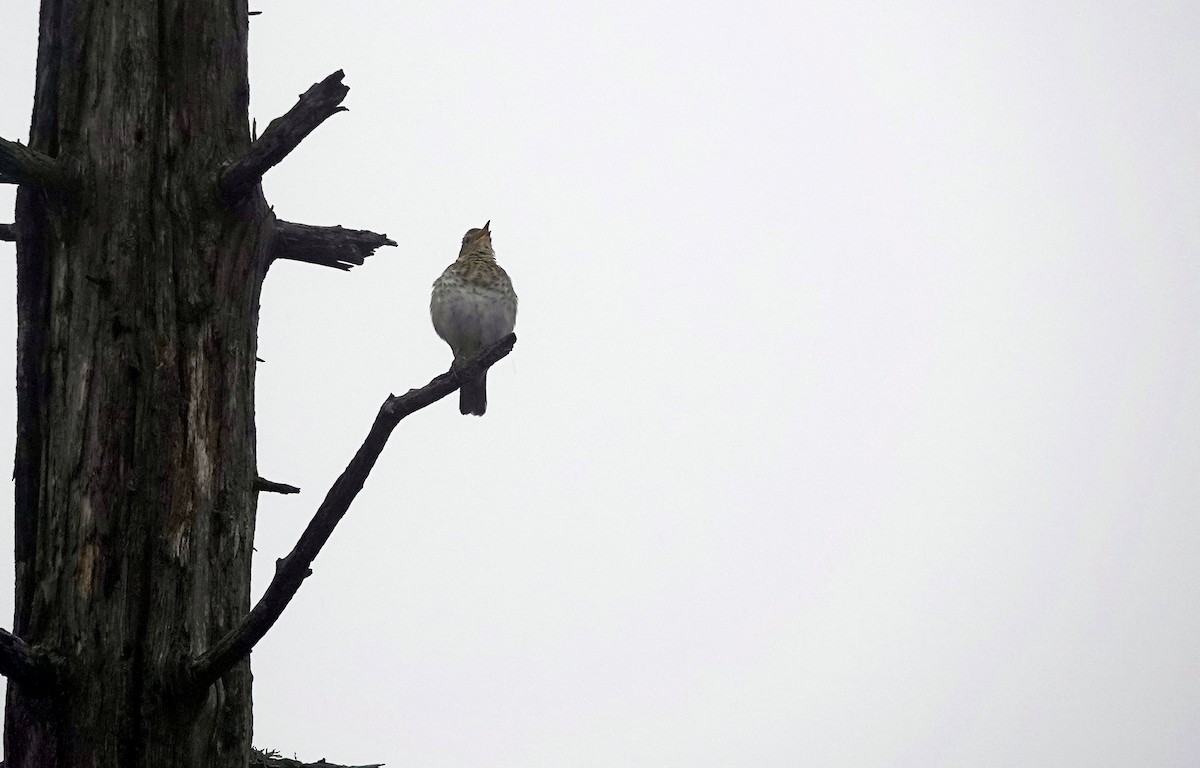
x,y
472,396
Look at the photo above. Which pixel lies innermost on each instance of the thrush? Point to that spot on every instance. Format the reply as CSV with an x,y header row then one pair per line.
x,y
473,306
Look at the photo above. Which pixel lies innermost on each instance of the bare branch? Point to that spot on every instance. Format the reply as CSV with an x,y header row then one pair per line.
x,y
283,135
335,247
291,571
22,664
21,165
262,484
271,759
8,232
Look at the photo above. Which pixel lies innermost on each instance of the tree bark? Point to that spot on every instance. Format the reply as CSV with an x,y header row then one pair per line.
x,y
138,289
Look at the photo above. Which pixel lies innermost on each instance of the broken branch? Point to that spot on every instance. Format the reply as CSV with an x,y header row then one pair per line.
x,y
262,484
22,664
271,759
8,232
21,165
335,247
284,134
291,571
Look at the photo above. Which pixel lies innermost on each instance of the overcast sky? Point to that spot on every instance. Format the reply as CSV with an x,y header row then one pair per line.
x,y
855,418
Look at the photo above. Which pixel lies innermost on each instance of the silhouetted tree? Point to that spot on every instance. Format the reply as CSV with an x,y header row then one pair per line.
x,y
142,240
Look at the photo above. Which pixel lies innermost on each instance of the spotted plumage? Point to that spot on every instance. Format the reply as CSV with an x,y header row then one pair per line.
x,y
473,306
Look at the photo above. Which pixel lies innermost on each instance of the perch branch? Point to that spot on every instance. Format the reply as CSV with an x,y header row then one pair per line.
x,y
262,484
291,571
283,135
335,247
22,664
21,165
8,232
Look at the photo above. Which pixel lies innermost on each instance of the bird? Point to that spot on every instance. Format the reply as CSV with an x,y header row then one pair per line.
x,y
473,306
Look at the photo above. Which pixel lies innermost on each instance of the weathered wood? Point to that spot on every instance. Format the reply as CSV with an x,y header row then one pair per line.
x,y
137,304
137,311
24,665
263,484
335,247
267,759
316,105
20,164
291,571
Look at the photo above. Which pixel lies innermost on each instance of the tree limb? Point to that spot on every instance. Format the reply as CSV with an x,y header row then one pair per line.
x,y
335,247
22,664
291,571
262,484
271,759
283,135
21,165
8,232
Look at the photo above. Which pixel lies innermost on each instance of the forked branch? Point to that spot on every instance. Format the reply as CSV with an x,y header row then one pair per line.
x,y
21,165
291,571
283,135
23,665
335,247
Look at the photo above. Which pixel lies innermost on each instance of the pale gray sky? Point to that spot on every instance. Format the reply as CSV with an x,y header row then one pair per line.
x,y
855,419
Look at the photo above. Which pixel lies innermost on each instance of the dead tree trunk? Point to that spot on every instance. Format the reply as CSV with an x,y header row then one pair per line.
x,y
138,290
142,242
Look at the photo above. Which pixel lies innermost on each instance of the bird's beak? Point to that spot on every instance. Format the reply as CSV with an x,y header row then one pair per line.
x,y
485,226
